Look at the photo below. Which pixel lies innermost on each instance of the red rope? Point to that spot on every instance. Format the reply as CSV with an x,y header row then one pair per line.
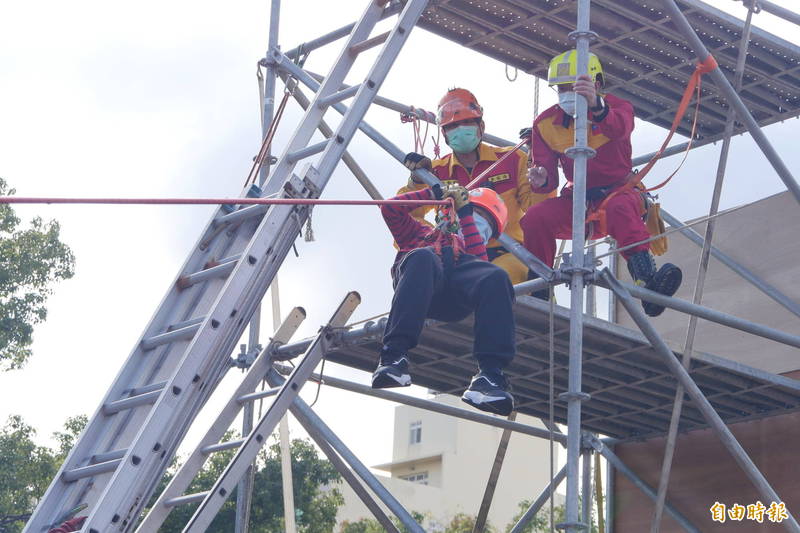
x,y
480,177
267,143
215,201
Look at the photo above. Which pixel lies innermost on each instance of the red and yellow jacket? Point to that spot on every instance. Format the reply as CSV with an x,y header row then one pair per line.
x,y
554,131
509,179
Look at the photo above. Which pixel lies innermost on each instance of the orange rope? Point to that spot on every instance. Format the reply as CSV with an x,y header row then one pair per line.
x,y
693,85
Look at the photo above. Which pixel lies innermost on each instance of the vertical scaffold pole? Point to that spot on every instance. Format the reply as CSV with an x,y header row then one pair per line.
x,y
269,83
732,97
586,490
244,490
580,152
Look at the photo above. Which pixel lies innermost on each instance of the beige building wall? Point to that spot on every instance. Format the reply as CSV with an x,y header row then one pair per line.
x,y
457,456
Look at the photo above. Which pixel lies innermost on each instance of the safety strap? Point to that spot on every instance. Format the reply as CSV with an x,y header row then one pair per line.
x,y
693,85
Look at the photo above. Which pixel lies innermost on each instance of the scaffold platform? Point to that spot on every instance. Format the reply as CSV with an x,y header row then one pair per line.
x,y
632,390
645,58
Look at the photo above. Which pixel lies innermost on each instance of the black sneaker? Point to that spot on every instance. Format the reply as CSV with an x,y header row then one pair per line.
x,y
666,281
488,391
392,371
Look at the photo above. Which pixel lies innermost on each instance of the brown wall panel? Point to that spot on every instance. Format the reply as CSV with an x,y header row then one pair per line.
x,y
703,473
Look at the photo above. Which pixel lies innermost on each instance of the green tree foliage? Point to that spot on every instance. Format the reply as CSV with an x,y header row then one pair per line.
x,y
315,506
31,260
26,468
541,522
460,523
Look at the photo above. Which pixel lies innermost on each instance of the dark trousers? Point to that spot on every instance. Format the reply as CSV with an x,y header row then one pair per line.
x,y
427,287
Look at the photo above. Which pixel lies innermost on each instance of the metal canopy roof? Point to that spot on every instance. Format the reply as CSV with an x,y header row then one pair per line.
x,y
632,391
644,56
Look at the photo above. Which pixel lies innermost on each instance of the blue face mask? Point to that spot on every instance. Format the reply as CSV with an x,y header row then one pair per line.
x,y
484,227
463,139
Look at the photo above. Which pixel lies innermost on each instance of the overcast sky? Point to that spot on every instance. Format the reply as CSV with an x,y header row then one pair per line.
x,y
159,99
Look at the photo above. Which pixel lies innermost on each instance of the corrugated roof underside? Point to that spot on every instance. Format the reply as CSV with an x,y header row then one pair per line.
x,y
632,390
644,56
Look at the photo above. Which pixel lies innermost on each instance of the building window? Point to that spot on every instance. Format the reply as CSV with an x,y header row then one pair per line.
x,y
418,477
415,433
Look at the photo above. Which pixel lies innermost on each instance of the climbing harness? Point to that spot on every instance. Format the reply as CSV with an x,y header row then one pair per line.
x,y
598,215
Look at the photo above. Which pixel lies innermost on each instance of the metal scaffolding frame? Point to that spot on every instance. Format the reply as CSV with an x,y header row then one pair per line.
x,y
712,383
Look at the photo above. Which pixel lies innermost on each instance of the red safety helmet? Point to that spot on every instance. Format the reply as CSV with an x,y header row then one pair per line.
x,y
458,104
493,204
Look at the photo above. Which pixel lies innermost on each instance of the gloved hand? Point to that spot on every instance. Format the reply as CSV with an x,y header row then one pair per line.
x,y
414,161
525,133
460,196
537,176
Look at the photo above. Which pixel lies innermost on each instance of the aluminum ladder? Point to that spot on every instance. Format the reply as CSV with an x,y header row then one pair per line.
x,y
184,351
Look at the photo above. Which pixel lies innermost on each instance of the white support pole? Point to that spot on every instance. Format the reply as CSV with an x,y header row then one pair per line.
x,y
580,152
289,514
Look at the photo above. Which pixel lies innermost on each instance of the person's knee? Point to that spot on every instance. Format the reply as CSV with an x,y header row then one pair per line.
x,y
496,279
420,258
535,217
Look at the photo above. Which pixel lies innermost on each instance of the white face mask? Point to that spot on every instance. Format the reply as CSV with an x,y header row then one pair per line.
x,y
484,227
566,101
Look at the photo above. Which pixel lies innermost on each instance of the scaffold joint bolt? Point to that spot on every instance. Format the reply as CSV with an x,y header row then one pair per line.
x,y
580,396
577,34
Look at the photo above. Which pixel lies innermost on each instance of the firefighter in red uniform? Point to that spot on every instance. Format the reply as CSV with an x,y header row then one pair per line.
x,y
442,273
610,127
461,119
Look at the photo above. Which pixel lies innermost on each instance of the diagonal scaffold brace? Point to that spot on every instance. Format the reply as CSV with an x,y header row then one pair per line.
x,y
225,485
701,402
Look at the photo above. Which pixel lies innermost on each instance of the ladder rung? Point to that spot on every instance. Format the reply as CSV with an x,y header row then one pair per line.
x,y
148,388
108,456
243,213
91,470
257,395
171,336
308,151
222,446
219,271
183,500
131,402
369,43
183,324
335,98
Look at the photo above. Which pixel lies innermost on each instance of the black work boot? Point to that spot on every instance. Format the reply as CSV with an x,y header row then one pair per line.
x,y
666,280
543,294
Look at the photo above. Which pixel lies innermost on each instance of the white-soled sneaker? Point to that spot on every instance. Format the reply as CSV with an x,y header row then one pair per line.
x,y
392,371
488,391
